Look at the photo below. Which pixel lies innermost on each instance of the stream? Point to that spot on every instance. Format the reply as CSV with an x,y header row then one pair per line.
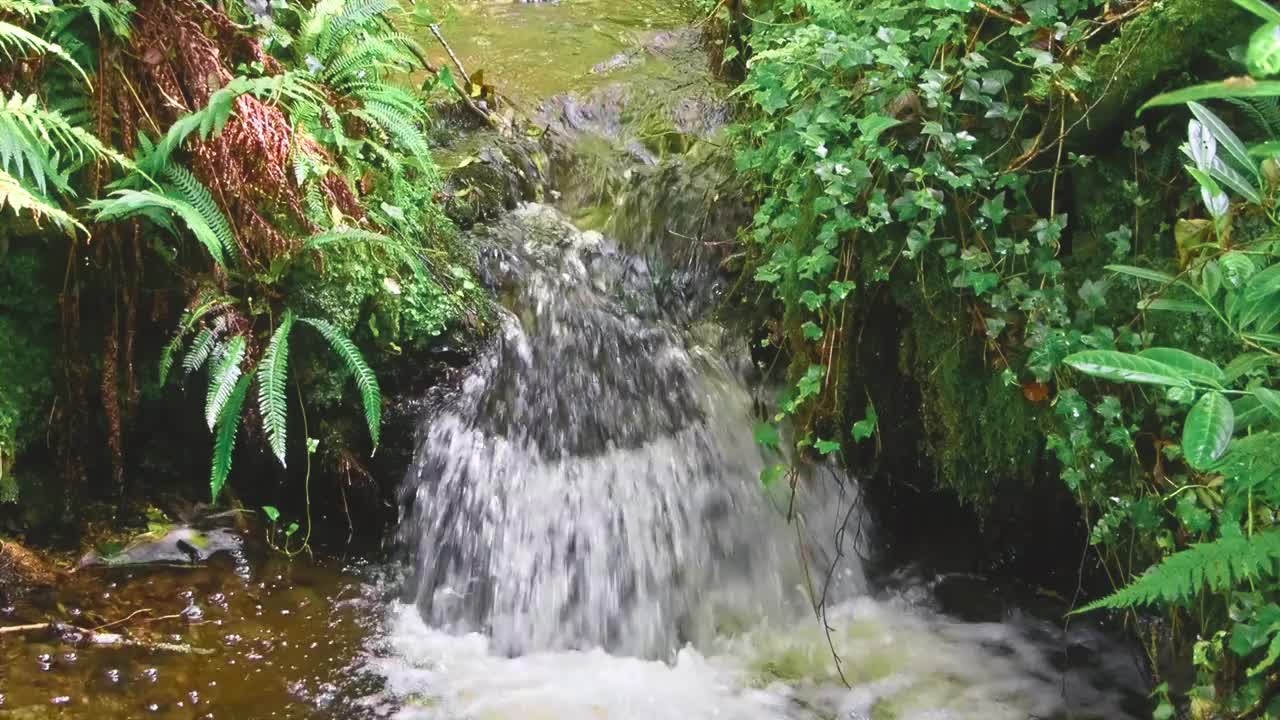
x,y
583,531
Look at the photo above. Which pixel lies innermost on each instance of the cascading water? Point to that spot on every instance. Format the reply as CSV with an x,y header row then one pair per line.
x,y
594,480
589,538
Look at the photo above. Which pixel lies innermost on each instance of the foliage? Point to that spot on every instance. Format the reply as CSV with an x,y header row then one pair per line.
x,y
290,148
921,151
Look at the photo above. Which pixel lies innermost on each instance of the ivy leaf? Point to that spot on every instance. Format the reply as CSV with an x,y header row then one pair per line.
x,y
826,447
271,512
772,474
1207,430
1123,367
866,427
766,434
811,330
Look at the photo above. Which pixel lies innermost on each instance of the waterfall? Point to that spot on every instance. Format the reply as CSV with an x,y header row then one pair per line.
x,y
593,479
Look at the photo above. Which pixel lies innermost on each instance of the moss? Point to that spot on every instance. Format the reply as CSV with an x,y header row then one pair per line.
x,y
29,335
979,431
1167,38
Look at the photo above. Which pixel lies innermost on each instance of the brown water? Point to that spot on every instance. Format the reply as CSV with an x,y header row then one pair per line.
x,y
269,639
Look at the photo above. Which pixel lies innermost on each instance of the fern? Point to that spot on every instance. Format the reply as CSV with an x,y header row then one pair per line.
x,y
397,125
223,379
16,42
366,381
355,15
186,324
1222,565
272,377
210,120
194,193
14,195
33,139
156,207
224,441
201,348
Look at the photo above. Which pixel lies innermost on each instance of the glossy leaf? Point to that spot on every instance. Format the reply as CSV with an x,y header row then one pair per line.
x,y
1237,87
1191,366
1206,434
1123,367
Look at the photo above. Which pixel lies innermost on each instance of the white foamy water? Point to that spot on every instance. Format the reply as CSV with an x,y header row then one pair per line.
x,y
588,539
903,664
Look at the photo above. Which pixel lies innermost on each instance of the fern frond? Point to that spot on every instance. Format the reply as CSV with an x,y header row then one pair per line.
x,y
223,379
224,440
33,139
16,42
397,125
123,204
272,377
355,15
366,381
116,15
186,324
1221,565
201,348
28,9
194,193
210,120
14,195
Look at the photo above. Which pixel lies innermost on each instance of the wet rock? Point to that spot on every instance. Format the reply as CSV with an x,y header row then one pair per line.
x,y
179,545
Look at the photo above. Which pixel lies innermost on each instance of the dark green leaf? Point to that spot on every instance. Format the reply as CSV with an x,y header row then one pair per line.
x,y
1206,434
1123,367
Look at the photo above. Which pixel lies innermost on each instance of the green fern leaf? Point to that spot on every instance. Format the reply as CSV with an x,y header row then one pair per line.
x,y
272,388
15,42
193,192
366,381
14,195
155,206
1223,564
201,348
223,379
224,441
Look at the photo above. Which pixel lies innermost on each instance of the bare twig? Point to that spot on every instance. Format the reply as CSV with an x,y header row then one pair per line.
x,y
435,30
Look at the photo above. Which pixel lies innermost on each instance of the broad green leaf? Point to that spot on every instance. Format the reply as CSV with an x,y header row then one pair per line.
x,y
1227,139
1270,399
1142,273
1191,366
1261,8
1263,54
1237,87
1123,367
1206,434
1191,307
1249,412
272,513
1249,362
